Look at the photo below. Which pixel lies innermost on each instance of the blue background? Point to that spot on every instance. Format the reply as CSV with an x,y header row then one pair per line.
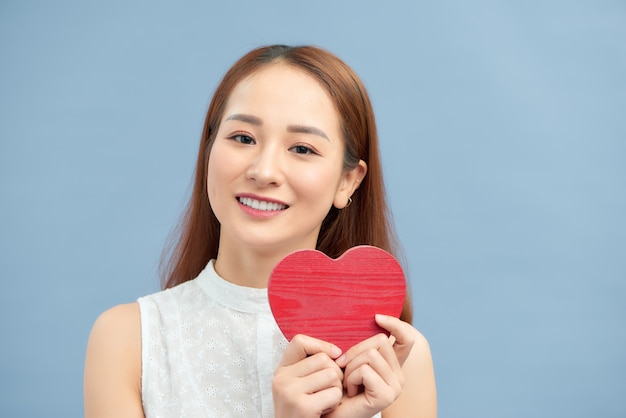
x,y
503,129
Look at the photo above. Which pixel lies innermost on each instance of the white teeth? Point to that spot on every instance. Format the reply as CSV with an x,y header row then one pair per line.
x,y
261,205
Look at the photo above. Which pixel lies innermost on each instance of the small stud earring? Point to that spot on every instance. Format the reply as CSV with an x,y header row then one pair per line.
x,y
349,202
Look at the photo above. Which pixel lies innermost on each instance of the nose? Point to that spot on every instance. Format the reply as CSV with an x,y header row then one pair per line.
x,y
266,168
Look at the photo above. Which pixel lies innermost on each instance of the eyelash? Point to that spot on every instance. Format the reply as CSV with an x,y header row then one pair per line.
x,y
308,150
239,138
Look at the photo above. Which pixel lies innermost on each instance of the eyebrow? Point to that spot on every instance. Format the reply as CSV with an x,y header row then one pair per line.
x,y
246,118
300,129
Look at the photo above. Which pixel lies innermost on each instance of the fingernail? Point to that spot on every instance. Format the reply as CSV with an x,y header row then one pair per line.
x,y
335,351
340,360
381,318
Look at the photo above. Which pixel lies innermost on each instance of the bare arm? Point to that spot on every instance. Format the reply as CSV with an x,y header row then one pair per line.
x,y
419,394
112,385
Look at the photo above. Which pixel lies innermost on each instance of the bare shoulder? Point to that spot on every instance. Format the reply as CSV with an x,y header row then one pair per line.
x,y
112,385
419,394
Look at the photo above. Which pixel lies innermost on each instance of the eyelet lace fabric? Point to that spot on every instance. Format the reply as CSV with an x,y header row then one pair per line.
x,y
209,349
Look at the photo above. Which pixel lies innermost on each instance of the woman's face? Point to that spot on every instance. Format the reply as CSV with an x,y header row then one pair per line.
x,y
276,165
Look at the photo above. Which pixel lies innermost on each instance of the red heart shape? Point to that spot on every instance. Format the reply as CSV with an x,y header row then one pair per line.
x,y
336,300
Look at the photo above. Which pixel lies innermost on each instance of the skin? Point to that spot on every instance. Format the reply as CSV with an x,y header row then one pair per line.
x,y
280,141
257,153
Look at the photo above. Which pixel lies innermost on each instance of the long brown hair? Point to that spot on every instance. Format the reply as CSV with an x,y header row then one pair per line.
x,y
367,221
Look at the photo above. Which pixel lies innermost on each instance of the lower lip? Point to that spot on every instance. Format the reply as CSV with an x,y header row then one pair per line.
x,y
260,214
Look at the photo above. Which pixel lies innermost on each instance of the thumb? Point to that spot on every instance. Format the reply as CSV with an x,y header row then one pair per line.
x,y
303,346
402,332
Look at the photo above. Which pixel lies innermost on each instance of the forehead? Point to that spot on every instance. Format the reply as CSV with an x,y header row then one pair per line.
x,y
278,74
280,85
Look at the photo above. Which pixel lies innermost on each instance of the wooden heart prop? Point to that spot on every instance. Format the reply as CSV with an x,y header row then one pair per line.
x,y
336,300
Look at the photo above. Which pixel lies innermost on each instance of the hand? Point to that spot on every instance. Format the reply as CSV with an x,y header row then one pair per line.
x,y
373,370
307,382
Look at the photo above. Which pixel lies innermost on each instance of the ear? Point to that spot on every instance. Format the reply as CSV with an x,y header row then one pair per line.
x,y
350,181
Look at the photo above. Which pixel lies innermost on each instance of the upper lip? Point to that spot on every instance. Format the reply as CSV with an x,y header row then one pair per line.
x,y
261,198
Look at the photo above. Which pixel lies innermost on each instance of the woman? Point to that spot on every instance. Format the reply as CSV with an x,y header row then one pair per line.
x,y
288,160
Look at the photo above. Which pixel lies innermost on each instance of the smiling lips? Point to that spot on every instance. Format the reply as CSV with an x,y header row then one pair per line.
x,y
261,204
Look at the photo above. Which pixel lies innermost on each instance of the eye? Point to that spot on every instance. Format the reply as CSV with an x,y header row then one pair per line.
x,y
302,149
243,139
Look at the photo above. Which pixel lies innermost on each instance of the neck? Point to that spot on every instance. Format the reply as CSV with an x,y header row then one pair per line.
x,y
247,268
251,266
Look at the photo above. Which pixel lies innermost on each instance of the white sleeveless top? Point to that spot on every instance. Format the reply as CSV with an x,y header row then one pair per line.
x,y
209,349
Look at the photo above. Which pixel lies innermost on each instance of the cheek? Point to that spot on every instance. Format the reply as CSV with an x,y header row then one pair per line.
x,y
216,172
319,184
217,166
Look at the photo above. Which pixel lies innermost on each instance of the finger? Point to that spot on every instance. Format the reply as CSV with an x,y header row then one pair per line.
x,y
313,364
302,346
291,400
383,359
376,388
327,399
321,380
375,342
353,381
402,332
377,392
313,382
389,355
388,369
